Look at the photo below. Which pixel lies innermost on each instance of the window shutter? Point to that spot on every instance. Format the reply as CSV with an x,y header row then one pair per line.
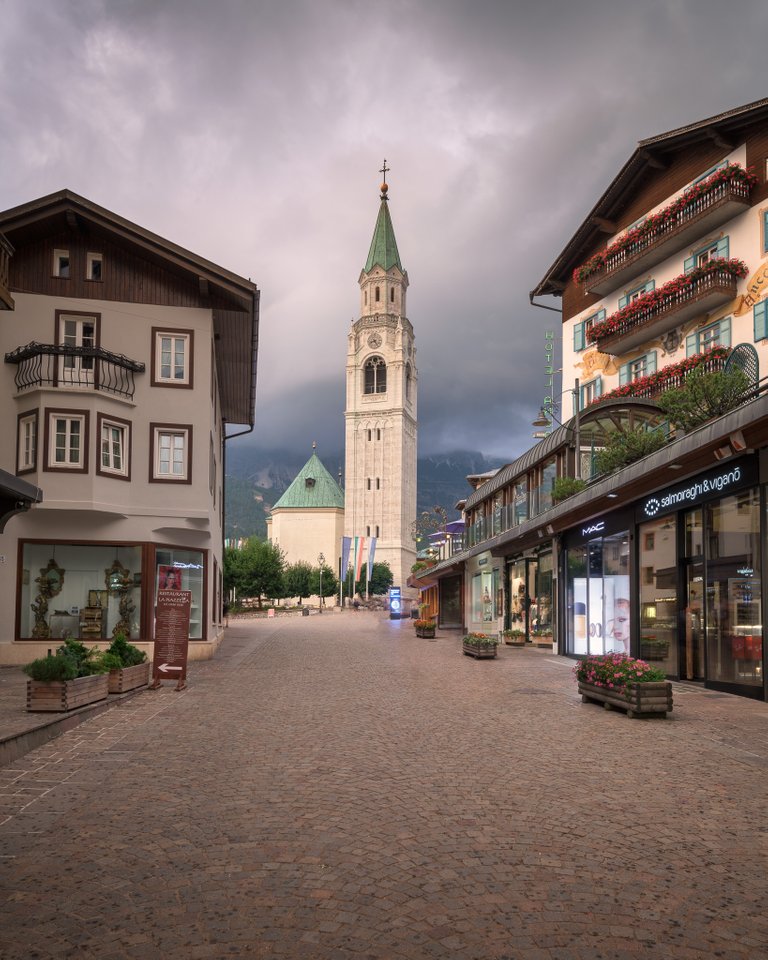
x,y
765,232
724,339
599,387
691,344
623,301
651,285
600,315
624,375
760,317
650,363
578,337
722,248
689,264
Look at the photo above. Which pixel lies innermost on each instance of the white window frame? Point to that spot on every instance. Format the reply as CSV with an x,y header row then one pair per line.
x,y
77,371
59,270
174,336
124,428
26,446
174,432
90,261
78,464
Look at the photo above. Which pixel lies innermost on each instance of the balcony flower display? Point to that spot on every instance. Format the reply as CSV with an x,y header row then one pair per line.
x,y
665,219
660,297
617,680
657,382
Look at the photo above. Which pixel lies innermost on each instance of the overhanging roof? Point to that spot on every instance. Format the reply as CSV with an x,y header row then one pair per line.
x,y
16,496
234,301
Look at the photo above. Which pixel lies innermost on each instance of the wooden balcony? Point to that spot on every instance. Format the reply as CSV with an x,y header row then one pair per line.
x,y
712,209
84,368
700,297
661,382
6,252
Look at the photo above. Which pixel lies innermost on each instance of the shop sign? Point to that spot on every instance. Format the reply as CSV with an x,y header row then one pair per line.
x,y
169,661
701,488
598,527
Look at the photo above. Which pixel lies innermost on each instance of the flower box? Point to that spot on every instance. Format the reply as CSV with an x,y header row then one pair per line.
x,y
514,638
61,695
479,646
129,678
646,699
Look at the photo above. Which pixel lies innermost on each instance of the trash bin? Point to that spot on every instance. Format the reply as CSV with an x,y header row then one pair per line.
x,y
305,612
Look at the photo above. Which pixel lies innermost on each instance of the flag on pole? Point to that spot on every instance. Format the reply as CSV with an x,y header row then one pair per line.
x,y
371,554
359,550
346,544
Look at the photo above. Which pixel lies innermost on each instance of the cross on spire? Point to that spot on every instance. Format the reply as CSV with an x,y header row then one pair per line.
x,y
384,170
384,186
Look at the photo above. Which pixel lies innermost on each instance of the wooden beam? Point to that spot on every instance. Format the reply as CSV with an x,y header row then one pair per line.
x,y
718,139
652,160
605,226
204,290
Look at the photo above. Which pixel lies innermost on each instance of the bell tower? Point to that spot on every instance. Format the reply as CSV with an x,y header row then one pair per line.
x,y
380,414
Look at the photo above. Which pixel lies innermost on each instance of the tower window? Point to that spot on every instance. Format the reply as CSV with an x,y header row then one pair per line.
x,y
369,434
367,531
378,434
378,483
392,294
366,298
368,482
407,381
376,294
375,376
377,531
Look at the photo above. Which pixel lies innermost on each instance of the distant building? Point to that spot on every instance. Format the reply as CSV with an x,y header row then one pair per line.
x,y
125,357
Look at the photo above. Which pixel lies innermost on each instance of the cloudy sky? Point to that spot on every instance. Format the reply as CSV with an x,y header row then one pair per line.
x,y
252,132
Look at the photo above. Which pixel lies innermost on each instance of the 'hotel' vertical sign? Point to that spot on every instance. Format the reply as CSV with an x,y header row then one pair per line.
x,y
549,372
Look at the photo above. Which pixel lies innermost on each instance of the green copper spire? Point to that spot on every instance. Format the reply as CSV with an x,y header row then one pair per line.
x,y
313,487
383,250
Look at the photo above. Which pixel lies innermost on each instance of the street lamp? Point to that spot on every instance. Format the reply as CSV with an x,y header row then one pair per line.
x,y
543,420
321,561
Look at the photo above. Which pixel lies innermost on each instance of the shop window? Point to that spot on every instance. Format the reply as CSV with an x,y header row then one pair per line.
x,y
90,591
716,250
114,447
597,596
61,263
520,501
183,570
26,442
171,453
484,602
66,440
172,358
581,329
375,374
717,334
658,599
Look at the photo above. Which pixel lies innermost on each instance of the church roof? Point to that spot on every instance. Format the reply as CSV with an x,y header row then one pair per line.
x,y
383,246
313,487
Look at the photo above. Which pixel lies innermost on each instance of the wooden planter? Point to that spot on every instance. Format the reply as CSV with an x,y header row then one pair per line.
x,y
425,632
61,695
514,641
479,653
544,642
646,699
128,678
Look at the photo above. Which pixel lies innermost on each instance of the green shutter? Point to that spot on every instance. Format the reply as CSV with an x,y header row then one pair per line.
x,y
623,301
600,315
689,264
624,375
722,248
578,337
760,319
691,344
765,232
724,337
599,387
650,363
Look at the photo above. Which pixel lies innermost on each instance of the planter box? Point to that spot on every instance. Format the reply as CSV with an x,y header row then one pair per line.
x,y
544,642
425,632
61,695
479,653
514,641
128,678
648,699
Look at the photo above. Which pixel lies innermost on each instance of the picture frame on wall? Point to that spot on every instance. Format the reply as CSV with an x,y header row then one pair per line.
x,y
98,598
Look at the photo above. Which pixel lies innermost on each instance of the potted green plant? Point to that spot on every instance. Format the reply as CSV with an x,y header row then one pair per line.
x,y
425,628
480,646
127,665
514,637
73,677
616,680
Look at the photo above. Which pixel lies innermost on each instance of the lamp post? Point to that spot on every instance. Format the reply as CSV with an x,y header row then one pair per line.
x,y
543,420
321,561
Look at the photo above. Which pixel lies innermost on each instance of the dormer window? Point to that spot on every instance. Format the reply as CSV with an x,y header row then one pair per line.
x,y
309,481
61,263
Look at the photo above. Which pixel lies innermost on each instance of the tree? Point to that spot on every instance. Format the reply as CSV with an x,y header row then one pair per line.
x,y
297,580
704,396
256,570
626,446
427,522
381,580
330,583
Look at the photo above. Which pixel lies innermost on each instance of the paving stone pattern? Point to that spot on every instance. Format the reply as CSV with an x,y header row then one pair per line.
x,y
332,787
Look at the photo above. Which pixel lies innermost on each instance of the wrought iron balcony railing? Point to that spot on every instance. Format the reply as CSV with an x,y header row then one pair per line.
x,y
59,365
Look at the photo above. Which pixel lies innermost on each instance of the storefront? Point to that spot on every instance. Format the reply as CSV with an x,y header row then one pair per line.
x,y
530,595
91,591
485,603
675,580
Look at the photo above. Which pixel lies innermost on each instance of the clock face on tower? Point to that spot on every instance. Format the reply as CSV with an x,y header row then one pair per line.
x,y
374,340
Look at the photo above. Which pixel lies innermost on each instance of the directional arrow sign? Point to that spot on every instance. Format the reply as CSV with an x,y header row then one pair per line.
x,y
171,636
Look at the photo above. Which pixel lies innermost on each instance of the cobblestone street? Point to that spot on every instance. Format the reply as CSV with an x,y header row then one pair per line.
x,y
333,787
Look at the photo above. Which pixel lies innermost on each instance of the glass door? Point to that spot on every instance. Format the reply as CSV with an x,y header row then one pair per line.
x,y
76,367
692,653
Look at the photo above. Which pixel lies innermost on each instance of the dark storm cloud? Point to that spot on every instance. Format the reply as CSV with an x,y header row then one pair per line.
x,y
252,133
